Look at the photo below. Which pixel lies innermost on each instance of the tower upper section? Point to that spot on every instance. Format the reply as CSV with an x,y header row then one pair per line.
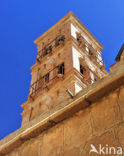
x,y
68,58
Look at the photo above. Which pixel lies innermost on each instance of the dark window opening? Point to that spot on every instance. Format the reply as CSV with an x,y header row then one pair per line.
x,y
82,70
59,40
62,38
50,48
61,69
57,43
47,50
46,78
90,52
79,40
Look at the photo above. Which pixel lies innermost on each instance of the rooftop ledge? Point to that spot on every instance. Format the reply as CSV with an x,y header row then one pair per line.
x,y
65,109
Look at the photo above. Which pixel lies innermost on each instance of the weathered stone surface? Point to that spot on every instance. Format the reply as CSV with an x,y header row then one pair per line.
x,y
30,148
13,153
99,124
75,151
53,142
120,134
105,113
105,139
76,131
121,102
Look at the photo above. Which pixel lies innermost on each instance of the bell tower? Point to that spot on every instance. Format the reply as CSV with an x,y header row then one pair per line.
x,y
68,60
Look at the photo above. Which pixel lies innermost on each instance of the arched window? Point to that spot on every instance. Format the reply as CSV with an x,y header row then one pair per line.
x,y
61,69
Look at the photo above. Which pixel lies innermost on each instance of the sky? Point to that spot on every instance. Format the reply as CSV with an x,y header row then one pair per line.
x,y
22,21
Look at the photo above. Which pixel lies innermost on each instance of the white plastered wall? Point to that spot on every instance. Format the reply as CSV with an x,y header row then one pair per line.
x,y
92,77
76,55
77,88
74,31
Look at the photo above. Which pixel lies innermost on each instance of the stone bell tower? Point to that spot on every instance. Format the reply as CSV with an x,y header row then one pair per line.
x,y
68,59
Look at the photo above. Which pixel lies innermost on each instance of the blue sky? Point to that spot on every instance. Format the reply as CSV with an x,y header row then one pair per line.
x,y
22,21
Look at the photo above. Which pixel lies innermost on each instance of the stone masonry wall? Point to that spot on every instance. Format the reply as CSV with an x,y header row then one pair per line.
x,y
101,123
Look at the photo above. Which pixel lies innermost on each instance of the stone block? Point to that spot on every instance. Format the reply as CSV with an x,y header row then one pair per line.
x,y
121,102
120,134
53,142
106,140
76,132
105,113
30,148
72,152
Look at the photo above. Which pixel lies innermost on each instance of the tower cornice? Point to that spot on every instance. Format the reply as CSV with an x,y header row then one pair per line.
x,y
69,17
